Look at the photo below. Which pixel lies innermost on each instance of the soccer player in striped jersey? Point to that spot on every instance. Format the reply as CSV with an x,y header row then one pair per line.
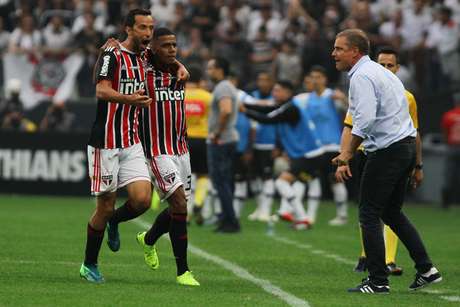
x,y
115,154
164,136
388,57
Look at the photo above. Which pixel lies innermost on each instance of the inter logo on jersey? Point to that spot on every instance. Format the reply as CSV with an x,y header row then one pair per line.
x,y
164,94
130,86
164,128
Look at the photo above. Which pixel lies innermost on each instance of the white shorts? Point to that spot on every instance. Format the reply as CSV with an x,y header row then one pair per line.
x,y
171,172
110,169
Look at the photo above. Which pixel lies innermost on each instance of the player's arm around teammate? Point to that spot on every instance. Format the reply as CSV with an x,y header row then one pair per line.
x,y
115,155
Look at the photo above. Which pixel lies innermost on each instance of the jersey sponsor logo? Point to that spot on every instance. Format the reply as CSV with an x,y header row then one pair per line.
x,y
54,165
194,108
129,86
163,94
105,66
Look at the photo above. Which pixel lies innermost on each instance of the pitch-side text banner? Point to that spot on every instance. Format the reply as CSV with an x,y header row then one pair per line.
x,y
43,163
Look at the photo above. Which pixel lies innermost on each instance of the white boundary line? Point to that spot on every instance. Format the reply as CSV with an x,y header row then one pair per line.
x,y
242,273
340,259
451,298
312,250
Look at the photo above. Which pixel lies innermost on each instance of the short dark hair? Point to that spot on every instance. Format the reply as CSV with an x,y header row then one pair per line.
x,y
130,19
162,32
286,84
196,74
318,68
445,10
389,50
223,64
356,38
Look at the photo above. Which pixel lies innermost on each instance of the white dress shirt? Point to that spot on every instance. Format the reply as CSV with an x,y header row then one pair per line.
x,y
378,105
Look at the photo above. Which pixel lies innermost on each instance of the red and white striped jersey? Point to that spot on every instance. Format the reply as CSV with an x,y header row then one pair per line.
x,y
117,125
164,129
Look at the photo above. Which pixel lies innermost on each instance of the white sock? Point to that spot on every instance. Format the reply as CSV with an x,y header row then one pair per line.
x,y
285,207
266,197
340,197
256,186
314,196
240,195
297,204
285,189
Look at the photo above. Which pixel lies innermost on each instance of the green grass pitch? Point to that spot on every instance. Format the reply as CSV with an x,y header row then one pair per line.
x,y
42,244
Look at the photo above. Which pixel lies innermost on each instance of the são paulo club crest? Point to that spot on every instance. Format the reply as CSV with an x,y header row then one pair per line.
x,y
107,179
169,178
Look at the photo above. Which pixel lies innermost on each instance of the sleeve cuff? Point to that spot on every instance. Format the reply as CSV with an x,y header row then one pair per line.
x,y
357,132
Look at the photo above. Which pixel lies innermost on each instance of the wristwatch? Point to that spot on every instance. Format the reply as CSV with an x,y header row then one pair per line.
x,y
419,166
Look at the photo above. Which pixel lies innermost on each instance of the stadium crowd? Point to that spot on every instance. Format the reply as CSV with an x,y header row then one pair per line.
x,y
283,37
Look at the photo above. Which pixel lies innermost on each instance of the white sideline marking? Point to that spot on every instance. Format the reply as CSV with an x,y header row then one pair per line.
x,y
349,262
313,251
451,298
242,273
433,291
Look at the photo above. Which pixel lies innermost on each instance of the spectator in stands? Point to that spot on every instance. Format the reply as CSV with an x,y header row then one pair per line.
x,y
88,40
360,17
288,64
272,22
87,7
12,113
450,125
238,10
415,22
57,118
230,42
192,49
4,38
163,12
25,38
204,15
443,37
57,38
390,30
262,52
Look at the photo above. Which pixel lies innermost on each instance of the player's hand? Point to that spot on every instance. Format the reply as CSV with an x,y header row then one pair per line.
x,y
247,157
339,95
215,138
182,73
139,99
416,178
343,173
241,108
111,42
343,169
343,158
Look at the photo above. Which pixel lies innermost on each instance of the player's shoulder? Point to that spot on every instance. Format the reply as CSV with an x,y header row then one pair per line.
x,y
302,96
409,95
111,50
410,98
